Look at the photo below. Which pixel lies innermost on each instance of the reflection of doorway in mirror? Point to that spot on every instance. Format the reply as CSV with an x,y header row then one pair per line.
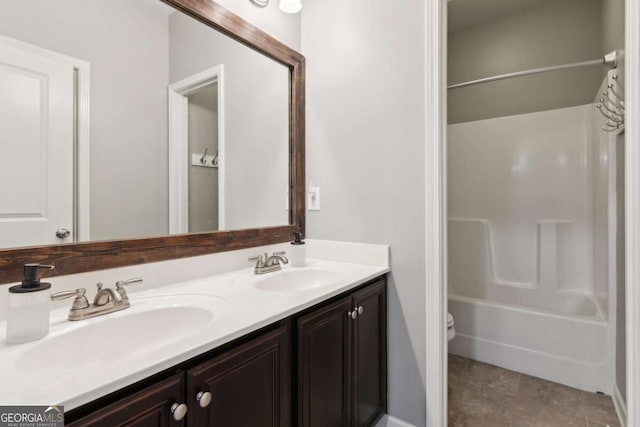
x,y
196,153
203,161
44,148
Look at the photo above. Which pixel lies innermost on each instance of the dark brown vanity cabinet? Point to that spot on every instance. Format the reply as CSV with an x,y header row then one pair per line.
x,y
342,360
249,385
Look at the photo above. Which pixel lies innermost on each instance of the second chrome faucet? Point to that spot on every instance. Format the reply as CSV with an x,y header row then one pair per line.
x,y
107,300
267,264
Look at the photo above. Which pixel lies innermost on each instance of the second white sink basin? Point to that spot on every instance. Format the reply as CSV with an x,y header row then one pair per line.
x,y
297,280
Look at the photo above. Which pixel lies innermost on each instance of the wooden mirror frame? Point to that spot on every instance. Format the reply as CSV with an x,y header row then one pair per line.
x,y
82,257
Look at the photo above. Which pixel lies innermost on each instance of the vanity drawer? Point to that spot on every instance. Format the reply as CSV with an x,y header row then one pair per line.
x,y
151,407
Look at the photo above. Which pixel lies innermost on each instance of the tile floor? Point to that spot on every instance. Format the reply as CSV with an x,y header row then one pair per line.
x,y
483,395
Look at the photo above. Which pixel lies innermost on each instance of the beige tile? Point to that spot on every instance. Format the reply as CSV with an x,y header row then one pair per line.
x,y
532,413
457,364
547,419
551,396
600,410
483,395
481,376
591,423
467,421
474,409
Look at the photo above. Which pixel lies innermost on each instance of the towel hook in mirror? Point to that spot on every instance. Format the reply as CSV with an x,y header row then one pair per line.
x,y
203,159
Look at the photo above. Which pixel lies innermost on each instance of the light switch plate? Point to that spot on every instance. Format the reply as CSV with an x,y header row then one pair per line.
x,y
314,198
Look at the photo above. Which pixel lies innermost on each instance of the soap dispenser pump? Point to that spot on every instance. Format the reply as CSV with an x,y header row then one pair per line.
x,y
28,314
298,255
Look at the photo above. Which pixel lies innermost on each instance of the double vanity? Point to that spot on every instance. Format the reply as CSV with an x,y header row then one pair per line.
x,y
298,346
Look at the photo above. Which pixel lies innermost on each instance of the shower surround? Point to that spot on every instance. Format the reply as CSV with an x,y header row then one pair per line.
x,y
531,256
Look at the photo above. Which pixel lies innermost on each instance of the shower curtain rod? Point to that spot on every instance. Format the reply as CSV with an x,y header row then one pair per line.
x,y
610,59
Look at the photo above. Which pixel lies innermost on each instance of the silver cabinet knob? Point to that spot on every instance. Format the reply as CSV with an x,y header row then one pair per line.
x,y
204,398
360,310
353,314
62,233
179,410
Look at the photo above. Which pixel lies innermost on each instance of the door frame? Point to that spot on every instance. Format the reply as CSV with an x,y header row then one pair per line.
x,y
179,146
436,210
632,208
82,134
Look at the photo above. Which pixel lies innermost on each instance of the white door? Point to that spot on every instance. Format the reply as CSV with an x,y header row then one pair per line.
x,y
36,148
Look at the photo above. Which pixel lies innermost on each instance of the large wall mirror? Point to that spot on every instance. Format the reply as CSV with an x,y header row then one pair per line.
x,y
143,130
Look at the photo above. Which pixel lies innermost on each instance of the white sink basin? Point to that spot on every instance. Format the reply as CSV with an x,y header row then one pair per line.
x,y
297,280
149,325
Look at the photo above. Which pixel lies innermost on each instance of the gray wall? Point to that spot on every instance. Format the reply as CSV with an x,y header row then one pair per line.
x,y
365,149
203,181
256,124
126,43
613,25
558,32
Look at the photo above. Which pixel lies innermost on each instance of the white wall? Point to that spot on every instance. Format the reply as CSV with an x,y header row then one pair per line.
x,y
126,44
365,149
256,120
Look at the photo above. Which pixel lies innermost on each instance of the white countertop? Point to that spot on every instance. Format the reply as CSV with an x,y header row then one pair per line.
x,y
241,308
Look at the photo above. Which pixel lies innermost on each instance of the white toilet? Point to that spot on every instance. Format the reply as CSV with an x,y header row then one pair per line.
x,y
451,330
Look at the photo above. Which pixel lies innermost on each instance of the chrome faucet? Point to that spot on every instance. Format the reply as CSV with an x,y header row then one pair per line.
x,y
267,264
107,300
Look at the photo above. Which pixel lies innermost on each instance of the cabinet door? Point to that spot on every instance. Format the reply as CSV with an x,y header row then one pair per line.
x,y
150,407
370,354
324,366
250,385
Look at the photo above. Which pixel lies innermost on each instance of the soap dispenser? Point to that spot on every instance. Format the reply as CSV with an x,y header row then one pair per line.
x,y
298,255
28,314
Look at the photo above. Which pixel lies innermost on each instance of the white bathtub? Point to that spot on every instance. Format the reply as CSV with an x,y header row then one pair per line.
x,y
572,350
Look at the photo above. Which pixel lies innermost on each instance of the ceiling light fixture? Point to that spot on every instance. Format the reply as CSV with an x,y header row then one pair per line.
x,y
290,6
287,6
260,3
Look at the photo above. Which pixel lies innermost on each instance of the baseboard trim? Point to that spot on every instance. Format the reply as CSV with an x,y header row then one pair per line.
x,y
620,404
389,421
